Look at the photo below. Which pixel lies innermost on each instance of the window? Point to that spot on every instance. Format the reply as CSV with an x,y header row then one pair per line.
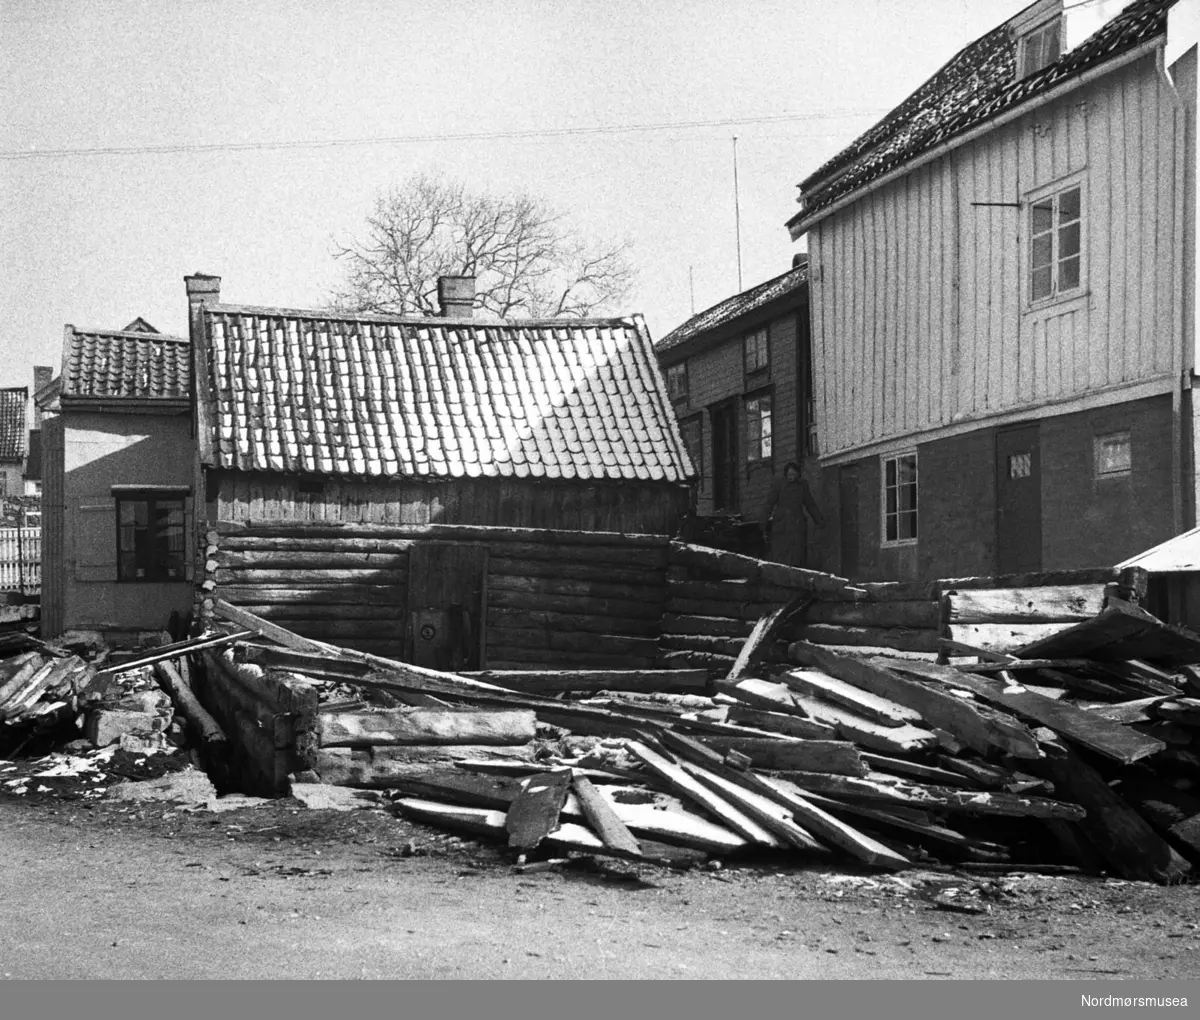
x,y
1020,465
1055,244
758,429
1114,455
689,428
758,358
1041,47
677,383
150,536
900,499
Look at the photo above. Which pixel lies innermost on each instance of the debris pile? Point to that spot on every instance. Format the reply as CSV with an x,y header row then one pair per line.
x,y
1075,751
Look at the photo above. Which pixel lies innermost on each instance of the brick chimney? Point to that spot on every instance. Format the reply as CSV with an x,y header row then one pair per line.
x,y
456,295
42,374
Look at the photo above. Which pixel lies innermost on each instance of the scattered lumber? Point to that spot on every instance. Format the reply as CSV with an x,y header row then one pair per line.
x,y
764,631
602,818
1180,710
539,681
534,812
1120,632
899,739
863,703
1087,729
779,722
1046,604
1127,711
979,728
206,728
777,752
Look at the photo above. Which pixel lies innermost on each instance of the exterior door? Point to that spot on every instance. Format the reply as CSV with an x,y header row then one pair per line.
x,y
724,457
447,603
848,505
1018,501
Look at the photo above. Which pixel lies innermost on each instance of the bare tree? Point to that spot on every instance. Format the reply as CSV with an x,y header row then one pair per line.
x,y
527,262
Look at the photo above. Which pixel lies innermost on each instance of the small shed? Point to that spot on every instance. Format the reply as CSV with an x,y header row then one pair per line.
x,y
1173,591
374,478
118,463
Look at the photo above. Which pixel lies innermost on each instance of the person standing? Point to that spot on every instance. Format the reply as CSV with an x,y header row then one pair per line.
x,y
785,514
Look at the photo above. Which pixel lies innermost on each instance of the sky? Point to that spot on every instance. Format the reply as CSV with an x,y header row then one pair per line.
x,y
286,119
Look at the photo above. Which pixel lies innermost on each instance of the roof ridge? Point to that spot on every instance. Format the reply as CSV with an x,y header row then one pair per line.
x,y
333,315
131,334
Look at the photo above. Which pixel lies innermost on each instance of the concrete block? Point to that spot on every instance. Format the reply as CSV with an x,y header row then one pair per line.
x,y
106,725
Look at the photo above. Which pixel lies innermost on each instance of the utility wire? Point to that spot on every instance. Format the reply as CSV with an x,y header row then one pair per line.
x,y
467,136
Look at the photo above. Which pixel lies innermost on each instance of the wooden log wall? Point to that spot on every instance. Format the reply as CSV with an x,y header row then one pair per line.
x,y
714,598
566,599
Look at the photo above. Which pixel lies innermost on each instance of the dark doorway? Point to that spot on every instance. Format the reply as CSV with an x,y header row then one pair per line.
x,y
446,605
724,446
848,505
1018,501
806,435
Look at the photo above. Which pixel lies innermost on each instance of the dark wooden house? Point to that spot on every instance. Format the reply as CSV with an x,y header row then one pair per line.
x,y
451,490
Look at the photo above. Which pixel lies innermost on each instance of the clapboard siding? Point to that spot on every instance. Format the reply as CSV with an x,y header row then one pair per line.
x,y
919,293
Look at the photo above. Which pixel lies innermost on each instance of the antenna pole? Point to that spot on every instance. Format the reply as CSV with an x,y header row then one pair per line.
x,y
692,286
737,214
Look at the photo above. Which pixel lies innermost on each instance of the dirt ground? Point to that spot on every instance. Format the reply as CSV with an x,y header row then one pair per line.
x,y
102,889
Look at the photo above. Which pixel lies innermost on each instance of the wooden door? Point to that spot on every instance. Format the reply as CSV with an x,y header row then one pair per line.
x,y
1018,501
848,505
447,604
724,456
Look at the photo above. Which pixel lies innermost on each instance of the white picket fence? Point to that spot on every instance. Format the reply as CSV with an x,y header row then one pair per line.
x,y
21,559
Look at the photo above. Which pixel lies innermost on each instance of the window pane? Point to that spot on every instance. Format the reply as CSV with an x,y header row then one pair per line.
x,y
1068,274
1039,286
1043,216
1068,241
908,525
1020,465
1042,251
908,470
892,528
890,471
908,498
1068,206
1114,454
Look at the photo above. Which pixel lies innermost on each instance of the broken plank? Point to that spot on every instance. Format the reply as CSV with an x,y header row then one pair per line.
x,y
760,694
602,818
1086,728
835,832
926,773
840,757
901,739
779,722
720,808
1179,710
1127,712
1123,836
533,815
763,633
864,703
934,798
426,726
768,813
1120,632
662,681
977,727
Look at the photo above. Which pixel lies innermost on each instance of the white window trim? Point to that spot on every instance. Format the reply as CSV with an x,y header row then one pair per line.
x,y
884,541
1025,236
758,458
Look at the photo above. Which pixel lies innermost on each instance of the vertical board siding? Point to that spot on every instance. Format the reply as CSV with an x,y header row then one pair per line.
x,y
921,313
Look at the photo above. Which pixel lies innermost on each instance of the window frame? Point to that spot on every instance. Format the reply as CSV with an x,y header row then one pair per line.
x,y
157,569
677,370
1038,32
884,513
754,443
1054,192
1098,447
759,369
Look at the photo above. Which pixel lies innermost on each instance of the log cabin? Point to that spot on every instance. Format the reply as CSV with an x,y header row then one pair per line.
x,y
1002,302
450,490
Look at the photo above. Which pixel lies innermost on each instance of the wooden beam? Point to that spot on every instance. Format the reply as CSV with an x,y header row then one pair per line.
x,y
871,706
1045,604
426,726
902,739
1095,732
205,727
764,631
602,818
682,681
771,752
533,815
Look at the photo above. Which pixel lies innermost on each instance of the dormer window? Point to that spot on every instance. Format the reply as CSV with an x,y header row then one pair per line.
x,y
1040,47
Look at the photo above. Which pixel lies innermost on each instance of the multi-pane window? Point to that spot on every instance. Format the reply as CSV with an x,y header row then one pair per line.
x,y
758,357
1114,455
758,428
150,537
689,428
1041,47
1055,244
900,498
677,382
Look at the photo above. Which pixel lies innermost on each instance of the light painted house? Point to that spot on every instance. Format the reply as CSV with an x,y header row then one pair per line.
x,y
1002,293
118,469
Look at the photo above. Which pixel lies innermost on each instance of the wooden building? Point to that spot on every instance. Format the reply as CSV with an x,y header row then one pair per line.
x,y
118,463
13,449
450,490
1003,293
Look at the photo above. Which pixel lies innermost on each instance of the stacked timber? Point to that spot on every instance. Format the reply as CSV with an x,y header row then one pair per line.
x,y
540,597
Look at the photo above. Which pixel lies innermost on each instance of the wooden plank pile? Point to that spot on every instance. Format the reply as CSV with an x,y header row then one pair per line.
x,y
1076,754
40,686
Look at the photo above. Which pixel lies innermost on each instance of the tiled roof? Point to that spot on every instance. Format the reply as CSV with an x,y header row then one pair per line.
x,y
12,422
735,307
381,396
119,364
979,83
